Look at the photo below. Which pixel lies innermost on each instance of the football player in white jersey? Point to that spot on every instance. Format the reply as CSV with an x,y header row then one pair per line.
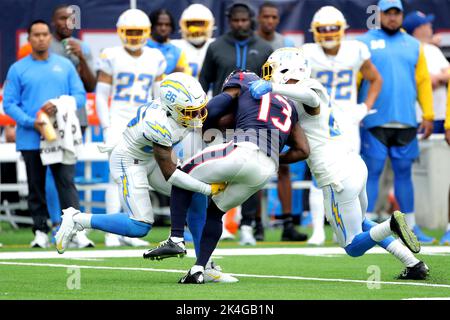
x,y
196,24
339,172
127,75
336,63
143,158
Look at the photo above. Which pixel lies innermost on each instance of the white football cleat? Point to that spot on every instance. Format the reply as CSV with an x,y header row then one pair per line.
x,y
317,238
112,240
247,237
133,242
213,273
67,229
80,240
40,240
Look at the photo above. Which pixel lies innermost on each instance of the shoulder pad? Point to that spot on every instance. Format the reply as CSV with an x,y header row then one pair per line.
x,y
157,128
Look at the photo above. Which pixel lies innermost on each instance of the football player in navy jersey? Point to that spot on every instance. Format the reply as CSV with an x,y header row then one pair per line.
x,y
246,162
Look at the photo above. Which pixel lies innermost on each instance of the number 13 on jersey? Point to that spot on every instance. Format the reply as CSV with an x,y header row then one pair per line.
x,y
264,111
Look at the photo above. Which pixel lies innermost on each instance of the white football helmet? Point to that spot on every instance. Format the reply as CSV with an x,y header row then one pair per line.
x,y
197,23
183,97
285,64
328,26
133,28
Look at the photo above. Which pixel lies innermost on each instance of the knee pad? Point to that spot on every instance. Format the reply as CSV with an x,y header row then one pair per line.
x,y
137,229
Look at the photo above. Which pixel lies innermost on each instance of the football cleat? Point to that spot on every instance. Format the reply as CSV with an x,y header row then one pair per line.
x,y
247,236
422,237
213,273
445,240
80,240
420,271
40,240
290,233
166,249
400,228
317,238
226,235
67,229
196,278
259,232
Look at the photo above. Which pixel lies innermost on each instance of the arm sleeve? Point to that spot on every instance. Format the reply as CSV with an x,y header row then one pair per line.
x,y
424,88
76,87
207,74
298,92
182,180
11,100
217,107
102,93
104,63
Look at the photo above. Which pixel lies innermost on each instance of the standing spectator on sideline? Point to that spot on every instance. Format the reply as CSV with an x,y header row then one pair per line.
x,y
163,26
29,85
391,130
237,49
420,26
446,237
268,20
77,51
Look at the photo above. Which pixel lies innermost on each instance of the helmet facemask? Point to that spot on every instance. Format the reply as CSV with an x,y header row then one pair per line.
x,y
190,117
196,31
133,38
329,36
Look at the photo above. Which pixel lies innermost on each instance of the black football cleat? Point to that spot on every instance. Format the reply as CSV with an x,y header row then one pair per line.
x,y
290,233
166,249
196,278
419,271
400,228
259,232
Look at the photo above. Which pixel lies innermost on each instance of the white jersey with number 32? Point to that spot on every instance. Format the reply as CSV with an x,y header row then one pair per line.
x,y
338,74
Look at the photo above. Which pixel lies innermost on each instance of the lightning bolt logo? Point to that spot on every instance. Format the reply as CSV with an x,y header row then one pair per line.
x,y
160,129
177,86
336,215
125,191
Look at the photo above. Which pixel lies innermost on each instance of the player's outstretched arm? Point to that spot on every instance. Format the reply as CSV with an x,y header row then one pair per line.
x,y
299,146
176,177
219,106
299,92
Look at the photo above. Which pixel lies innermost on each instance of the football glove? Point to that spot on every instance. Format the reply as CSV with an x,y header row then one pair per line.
x,y
217,187
259,88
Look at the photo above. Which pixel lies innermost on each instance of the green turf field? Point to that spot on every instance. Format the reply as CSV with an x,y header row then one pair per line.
x,y
265,277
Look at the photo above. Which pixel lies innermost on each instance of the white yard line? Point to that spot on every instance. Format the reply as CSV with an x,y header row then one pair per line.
x,y
416,284
309,251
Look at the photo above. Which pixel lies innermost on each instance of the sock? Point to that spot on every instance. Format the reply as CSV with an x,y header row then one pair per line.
x,y
180,202
176,239
360,244
84,219
197,268
120,223
317,209
402,253
369,224
381,231
112,198
371,216
410,219
196,218
211,234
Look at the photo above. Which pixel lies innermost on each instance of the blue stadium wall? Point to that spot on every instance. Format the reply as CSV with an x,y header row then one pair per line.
x,y
102,14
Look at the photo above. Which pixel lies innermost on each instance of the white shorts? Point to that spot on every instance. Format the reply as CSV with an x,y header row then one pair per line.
x,y
134,178
243,166
346,203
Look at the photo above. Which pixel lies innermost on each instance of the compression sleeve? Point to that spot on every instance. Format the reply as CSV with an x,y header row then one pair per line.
x,y
102,92
305,95
182,180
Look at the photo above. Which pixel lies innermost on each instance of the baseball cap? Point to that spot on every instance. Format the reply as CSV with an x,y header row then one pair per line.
x,y
385,5
415,19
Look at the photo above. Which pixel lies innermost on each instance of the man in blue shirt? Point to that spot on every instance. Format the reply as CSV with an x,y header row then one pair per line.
x,y
30,83
391,130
